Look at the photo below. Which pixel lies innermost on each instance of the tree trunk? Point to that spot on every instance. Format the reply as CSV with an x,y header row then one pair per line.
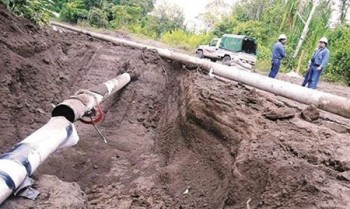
x,y
344,10
306,29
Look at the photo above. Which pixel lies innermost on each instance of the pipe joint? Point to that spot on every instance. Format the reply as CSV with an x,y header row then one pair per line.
x,y
76,106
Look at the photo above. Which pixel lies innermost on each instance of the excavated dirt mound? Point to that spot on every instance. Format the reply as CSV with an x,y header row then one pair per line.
x,y
176,138
55,194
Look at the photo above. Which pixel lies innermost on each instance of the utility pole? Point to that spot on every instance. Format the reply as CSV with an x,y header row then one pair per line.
x,y
306,29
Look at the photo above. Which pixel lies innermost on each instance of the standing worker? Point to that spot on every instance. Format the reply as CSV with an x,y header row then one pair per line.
x,y
306,79
318,63
278,53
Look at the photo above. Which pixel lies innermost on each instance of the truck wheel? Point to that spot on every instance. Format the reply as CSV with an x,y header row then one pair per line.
x,y
226,60
213,60
200,54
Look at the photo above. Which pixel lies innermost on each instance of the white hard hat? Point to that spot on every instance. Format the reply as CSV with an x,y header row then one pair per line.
x,y
282,36
324,40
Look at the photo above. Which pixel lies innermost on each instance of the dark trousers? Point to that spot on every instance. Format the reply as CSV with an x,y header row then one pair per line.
x,y
275,68
306,79
312,77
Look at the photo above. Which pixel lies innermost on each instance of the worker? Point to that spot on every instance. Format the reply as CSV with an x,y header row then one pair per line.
x,y
308,71
319,62
278,53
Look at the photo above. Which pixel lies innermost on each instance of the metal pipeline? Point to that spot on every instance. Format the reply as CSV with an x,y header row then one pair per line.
x,y
325,101
22,160
75,107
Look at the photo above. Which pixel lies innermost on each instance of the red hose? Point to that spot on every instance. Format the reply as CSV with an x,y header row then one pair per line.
x,y
97,119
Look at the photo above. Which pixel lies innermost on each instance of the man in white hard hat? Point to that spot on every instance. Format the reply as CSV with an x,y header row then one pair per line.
x,y
319,62
278,53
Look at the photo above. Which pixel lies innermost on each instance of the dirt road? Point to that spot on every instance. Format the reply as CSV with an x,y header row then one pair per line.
x,y
177,139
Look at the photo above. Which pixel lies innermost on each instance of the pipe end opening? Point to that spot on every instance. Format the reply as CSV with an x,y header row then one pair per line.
x,y
65,111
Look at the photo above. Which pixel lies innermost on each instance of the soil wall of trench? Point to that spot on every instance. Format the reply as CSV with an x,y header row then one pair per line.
x,y
176,138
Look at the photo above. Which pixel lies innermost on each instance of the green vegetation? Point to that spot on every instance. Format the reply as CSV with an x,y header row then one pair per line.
x,y
186,40
35,10
262,19
339,69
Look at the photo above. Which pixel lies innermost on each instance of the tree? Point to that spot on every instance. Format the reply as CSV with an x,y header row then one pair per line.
x,y
214,12
74,11
339,66
168,17
90,4
253,9
121,15
344,8
58,5
306,29
145,5
97,18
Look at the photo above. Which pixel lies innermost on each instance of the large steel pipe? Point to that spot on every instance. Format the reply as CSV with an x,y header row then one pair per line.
x,y
23,159
75,107
325,101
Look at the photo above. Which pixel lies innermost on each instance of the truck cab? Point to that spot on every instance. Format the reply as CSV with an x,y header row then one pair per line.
x,y
209,51
230,47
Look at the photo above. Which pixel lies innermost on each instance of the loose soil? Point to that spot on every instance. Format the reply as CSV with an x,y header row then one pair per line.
x,y
176,138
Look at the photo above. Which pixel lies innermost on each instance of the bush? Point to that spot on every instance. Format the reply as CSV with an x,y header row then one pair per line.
x,y
339,65
138,29
186,40
123,16
97,18
73,12
37,11
83,23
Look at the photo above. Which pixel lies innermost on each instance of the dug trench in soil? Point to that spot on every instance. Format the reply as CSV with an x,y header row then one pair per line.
x,y
176,138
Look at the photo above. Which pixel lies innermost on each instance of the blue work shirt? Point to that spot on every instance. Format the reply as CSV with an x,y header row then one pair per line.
x,y
278,51
321,58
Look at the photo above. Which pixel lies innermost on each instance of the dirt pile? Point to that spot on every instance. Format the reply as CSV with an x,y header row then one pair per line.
x,y
55,194
177,139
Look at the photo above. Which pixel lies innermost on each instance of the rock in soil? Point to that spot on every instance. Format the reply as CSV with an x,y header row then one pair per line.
x,y
345,176
280,113
311,113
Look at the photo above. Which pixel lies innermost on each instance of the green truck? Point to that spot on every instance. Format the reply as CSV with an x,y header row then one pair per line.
x,y
228,48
